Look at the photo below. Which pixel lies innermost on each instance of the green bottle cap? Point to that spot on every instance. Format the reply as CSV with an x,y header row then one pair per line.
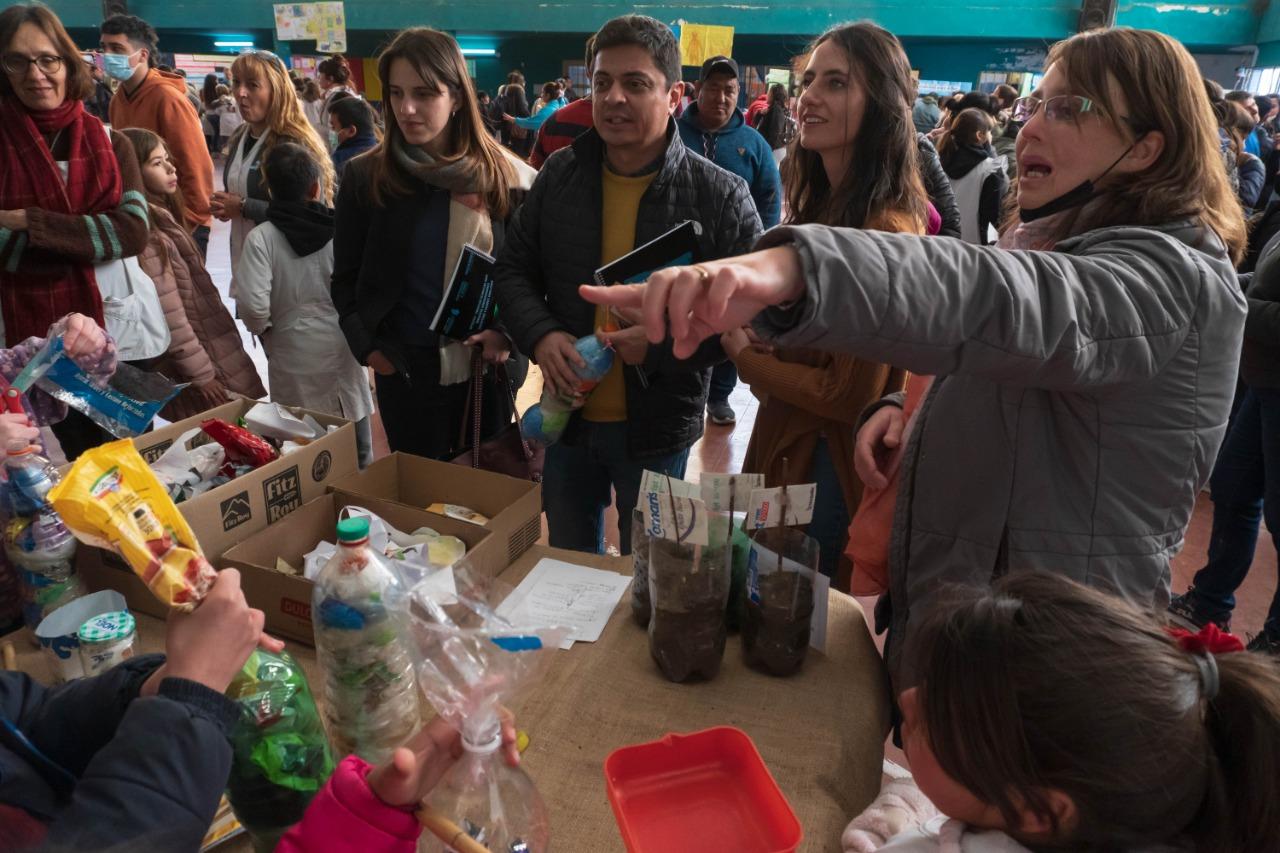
x,y
107,627
353,529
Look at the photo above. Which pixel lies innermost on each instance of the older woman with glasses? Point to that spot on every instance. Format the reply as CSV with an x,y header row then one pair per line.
x,y
71,194
1084,374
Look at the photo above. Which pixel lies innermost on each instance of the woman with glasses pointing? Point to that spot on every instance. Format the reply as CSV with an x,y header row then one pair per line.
x,y
1084,370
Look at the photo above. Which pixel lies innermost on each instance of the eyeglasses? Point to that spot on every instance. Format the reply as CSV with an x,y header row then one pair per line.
x,y
1061,108
16,63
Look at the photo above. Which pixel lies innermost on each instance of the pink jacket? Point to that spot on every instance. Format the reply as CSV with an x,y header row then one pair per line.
x,y
347,816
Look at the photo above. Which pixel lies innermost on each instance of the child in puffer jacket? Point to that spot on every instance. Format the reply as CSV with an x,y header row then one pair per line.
x,y
1051,715
94,351
364,809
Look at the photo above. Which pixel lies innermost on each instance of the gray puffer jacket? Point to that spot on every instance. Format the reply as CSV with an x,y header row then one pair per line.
x,y
1080,398
553,246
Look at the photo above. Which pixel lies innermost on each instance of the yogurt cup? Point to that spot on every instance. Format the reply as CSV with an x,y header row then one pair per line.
x,y
106,640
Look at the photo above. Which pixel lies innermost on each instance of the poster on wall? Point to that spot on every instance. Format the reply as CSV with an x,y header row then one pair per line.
x,y
294,21
700,42
331,28
324,22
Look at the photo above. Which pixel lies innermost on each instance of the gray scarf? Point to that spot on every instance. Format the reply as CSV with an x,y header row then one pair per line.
x,y
456,176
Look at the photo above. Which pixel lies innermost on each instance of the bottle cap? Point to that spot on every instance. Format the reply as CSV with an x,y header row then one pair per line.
x,y
353,529
16,449
106,627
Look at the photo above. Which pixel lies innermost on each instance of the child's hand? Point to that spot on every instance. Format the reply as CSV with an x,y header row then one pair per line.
x,y
415,768
82,337
16,431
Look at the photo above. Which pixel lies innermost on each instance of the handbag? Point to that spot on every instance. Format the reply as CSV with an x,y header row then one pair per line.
x,y
131,310
507,452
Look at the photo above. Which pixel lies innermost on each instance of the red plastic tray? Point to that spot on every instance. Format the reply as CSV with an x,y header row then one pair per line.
x,y
708,791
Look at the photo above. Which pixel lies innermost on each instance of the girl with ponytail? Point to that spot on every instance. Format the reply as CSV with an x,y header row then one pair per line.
x,y
1052,716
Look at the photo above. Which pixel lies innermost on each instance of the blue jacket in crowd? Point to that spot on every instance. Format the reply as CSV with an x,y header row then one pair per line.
x,y
742,150
353,147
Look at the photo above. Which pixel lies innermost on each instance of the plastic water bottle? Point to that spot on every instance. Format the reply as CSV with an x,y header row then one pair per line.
x,y
39,546
359,612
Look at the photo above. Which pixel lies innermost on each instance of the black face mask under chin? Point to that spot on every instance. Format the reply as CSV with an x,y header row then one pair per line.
x,y
1072,198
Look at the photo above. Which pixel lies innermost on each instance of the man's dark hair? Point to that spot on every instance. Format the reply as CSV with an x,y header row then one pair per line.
x,y
353,112
291,172
648,33
139,33
1238,95
978,101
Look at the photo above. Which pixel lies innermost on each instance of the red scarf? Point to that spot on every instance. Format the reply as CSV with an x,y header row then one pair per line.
x,y
42,289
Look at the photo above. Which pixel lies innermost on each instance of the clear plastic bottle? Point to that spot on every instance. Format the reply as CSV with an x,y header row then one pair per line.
x,y
38,545
493,802
359,613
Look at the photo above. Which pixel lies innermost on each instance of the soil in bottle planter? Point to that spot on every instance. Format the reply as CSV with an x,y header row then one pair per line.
x,y
641,604
689,586
779,606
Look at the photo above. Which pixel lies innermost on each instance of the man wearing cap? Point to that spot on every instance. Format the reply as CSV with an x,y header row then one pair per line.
x,y
713,126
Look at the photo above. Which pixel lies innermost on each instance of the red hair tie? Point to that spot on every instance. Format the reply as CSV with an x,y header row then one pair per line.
x,y
1203,645
1210,638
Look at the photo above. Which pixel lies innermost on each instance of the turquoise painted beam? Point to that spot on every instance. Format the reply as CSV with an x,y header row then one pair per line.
x,y
992,19
1233,22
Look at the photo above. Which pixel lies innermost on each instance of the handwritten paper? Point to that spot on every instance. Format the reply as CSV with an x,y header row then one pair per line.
x,y
720,491
559,593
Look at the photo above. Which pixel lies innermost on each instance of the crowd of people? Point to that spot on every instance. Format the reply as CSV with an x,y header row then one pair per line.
x,y
1003,335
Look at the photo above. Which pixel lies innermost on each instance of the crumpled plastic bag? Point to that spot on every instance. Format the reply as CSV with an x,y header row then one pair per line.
x,y
187,472
124,406
417,554
273,420
111,499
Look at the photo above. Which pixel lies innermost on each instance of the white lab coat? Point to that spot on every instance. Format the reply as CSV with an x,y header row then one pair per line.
x,y
284,299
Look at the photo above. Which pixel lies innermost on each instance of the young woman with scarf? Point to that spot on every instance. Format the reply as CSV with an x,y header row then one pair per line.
x,y
1084,370
71,195
272,114
437,181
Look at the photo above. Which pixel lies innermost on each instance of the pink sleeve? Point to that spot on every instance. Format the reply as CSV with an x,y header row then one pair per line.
x,y
935,221
347,816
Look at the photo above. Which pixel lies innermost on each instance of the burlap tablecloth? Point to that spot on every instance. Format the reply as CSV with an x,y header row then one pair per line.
x,y
821,732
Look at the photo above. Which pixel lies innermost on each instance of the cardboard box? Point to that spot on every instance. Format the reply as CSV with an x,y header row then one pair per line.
x,y
227,515
514,507
286,599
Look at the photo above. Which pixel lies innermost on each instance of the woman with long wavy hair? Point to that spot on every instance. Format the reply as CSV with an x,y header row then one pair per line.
x,y
437,182
853,164
272,113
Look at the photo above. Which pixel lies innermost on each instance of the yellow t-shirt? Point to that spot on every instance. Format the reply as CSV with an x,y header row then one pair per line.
x,y
620,202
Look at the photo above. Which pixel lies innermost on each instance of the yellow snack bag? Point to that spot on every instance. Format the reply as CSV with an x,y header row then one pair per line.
x,y
111,499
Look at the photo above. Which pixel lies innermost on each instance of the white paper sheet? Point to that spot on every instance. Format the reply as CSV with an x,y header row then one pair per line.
x,y
559,593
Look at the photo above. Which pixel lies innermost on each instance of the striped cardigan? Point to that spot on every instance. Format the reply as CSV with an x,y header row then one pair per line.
x,y
54,239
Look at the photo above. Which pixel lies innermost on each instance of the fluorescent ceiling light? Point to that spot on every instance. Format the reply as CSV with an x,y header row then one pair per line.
x,y
233,44
479,51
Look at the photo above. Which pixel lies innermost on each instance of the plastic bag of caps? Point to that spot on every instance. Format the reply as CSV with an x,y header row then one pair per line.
x,y
470,664
124,406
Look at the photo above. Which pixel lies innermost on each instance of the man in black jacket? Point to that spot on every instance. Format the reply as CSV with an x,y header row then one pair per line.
x,y
617,187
